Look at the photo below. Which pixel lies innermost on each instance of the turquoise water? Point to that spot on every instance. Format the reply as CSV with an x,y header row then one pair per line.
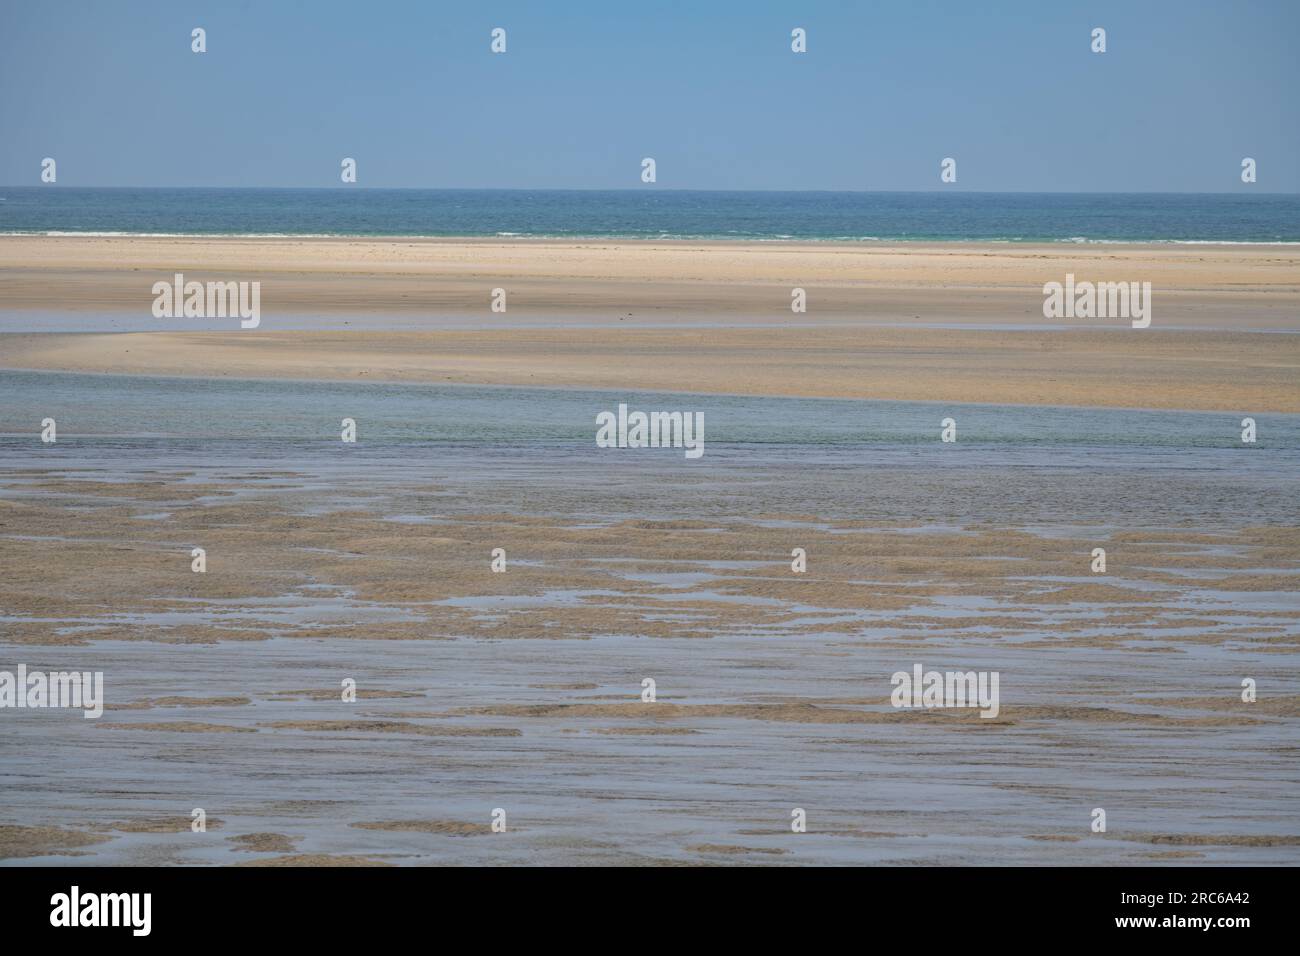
x,y
654,213
1010,464
103,407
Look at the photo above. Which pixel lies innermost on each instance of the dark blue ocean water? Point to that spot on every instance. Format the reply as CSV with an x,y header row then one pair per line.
x,y
653,213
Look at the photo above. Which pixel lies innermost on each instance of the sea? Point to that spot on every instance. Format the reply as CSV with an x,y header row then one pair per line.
x,y
653,213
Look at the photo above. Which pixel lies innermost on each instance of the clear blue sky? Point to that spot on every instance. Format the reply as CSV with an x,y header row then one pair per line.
x,y
711,90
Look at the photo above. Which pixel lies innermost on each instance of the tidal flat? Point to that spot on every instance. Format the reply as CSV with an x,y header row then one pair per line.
x,y
522,690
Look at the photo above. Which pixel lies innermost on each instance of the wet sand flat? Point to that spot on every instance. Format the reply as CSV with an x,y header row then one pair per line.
x,y
521,691
1247,372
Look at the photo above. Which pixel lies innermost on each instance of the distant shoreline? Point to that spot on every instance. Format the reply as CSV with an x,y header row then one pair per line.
x,y
910,322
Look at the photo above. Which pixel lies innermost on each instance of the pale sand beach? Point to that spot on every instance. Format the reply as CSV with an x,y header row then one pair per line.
x,y
1209,286
687,316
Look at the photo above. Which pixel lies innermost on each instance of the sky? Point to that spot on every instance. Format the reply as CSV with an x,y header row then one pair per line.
x,y
711,90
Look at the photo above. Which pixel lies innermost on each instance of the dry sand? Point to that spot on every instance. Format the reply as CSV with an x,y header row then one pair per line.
x,y
1221,286
693,316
